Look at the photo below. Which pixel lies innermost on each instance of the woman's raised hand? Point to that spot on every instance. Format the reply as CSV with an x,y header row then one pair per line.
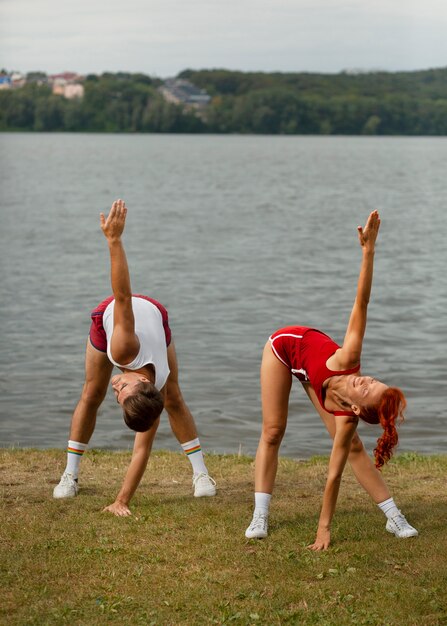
x,y
368,235
113,226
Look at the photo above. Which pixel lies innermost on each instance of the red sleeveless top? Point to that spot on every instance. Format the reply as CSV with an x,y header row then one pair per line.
x,y
305,352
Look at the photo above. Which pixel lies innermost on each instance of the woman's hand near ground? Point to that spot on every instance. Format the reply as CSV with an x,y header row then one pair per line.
x,y
113,225
118,508
322,541
368,234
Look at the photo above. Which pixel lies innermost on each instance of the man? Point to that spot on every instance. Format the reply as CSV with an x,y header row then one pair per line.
x,y
132,333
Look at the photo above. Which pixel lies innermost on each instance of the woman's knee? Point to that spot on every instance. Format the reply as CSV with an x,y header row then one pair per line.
x,y
356,446
273,435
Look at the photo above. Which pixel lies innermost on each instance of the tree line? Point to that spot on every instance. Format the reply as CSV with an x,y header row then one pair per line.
x,y
374,103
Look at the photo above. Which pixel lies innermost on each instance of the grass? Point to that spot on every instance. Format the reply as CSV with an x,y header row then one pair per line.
x,y
181,560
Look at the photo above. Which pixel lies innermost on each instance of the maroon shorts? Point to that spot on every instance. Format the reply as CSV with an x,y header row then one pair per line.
x,y
98,336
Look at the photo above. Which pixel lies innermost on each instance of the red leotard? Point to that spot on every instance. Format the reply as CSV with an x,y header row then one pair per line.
x,y
305,352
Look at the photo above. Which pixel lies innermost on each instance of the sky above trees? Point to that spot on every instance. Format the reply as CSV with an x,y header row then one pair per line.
x,y
164,37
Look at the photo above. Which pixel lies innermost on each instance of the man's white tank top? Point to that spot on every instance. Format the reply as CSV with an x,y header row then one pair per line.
x,y
150,332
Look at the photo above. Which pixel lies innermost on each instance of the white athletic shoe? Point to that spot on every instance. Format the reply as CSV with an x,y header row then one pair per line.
x,y
203,485
399,526
258,528
67,488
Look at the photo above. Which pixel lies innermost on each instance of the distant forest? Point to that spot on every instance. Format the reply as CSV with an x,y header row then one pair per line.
x,y
375,103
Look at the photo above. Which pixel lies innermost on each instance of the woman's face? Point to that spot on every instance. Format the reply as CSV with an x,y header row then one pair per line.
x,y
365,391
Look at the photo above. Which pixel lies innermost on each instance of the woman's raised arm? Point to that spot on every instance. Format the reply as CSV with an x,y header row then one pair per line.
x,y
349,355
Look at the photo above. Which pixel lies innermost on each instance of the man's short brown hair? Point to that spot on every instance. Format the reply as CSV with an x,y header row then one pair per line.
x,y
142,408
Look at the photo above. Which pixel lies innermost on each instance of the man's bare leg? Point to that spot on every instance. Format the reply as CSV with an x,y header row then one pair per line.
x,y
98,370
184,428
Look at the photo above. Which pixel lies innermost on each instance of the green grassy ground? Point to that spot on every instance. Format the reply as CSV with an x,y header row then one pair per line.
x,y
181,560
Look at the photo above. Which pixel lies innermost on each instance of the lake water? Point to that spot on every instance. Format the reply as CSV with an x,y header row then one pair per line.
x,y
237,236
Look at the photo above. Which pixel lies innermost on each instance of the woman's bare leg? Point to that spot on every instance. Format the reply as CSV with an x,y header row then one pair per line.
x,y
276,381
366,472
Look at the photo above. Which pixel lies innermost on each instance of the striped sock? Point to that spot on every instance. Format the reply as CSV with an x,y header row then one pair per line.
x,y
193,451
75,450
388,507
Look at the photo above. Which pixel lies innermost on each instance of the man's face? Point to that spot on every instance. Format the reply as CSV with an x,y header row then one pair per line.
x,y
124,385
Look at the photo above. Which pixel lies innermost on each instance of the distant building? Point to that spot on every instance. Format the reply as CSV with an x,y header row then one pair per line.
x,y
74,91
38,78
180,91
69,91
67,84
13,80
67,77
18,79
5,81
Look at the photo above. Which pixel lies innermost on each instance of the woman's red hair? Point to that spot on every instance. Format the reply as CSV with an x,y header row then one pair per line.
x,y
388,414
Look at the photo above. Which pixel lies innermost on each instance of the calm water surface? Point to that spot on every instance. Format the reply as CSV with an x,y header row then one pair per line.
x,y
237,236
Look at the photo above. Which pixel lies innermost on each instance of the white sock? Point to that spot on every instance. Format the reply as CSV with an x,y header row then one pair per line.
x,y
75,450
262,502
193,451
389,508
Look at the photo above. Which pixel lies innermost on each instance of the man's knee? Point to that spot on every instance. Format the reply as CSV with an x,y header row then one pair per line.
x,y
93,395
174,400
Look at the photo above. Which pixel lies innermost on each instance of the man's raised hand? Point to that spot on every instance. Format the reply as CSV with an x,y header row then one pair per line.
x,y
113,225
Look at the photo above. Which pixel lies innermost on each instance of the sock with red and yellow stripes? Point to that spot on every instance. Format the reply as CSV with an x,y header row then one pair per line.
x,y
75,451
193,451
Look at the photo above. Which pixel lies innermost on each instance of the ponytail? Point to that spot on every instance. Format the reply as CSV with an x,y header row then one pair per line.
x,y
389,412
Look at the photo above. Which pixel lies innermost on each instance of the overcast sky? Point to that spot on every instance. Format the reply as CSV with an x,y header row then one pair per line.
x,y
163,37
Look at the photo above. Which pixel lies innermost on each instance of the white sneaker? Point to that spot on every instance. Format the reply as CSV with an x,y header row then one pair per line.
x,y
67,488
258,528
399,526
203,485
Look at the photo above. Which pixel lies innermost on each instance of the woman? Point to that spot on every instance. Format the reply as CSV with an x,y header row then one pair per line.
x,y
331,376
